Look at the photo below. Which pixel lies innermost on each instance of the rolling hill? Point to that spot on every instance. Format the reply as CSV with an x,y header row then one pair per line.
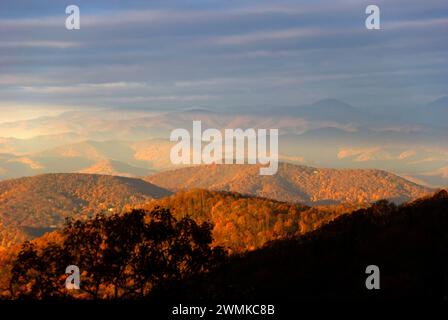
x,y
407,243
34,205
29,207
241,223
295,183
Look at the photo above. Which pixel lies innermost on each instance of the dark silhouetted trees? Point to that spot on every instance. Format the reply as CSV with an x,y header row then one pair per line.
x,y
409,243
121,256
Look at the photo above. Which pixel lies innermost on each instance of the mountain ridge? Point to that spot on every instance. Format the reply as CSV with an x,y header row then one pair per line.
x,y
295,183
407,243
31,205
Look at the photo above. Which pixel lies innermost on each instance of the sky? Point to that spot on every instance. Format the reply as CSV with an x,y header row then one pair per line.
x,y
218,54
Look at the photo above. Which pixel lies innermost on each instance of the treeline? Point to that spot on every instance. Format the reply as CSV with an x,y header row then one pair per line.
x,y
409,244
121,257
241,223
44,201
169,251
295,183
238,223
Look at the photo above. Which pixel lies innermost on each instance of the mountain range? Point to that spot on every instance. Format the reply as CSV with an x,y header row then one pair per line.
x,y
295,183
407,245
410,141
32,206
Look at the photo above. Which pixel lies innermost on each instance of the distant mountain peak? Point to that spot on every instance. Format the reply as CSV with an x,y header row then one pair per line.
x,y
440,102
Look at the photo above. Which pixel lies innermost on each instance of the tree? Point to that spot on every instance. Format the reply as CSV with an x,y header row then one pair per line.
x,y
121,256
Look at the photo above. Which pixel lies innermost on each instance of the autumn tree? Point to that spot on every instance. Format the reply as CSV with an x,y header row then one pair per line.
x,y
120,256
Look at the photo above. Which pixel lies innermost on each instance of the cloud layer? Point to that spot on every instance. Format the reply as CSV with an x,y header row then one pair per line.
x,y
163,54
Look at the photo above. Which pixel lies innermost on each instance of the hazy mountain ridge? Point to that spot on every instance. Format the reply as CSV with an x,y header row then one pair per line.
x,y
116,168
409,141
123,158
295,183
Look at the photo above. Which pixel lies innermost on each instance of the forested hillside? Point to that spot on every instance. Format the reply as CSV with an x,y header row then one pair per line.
x,y
31,206
243,223
294,183
408,243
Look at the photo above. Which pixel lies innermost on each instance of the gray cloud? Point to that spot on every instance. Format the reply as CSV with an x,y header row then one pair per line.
x,y
222,53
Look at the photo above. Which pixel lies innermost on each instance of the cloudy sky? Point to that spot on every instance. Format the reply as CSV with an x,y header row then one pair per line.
x,y
217,54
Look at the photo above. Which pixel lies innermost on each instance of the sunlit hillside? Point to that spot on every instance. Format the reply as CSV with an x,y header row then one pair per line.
x,y
31,206
295,183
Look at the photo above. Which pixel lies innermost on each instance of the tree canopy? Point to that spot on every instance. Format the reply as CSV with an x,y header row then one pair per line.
x,y
119,256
